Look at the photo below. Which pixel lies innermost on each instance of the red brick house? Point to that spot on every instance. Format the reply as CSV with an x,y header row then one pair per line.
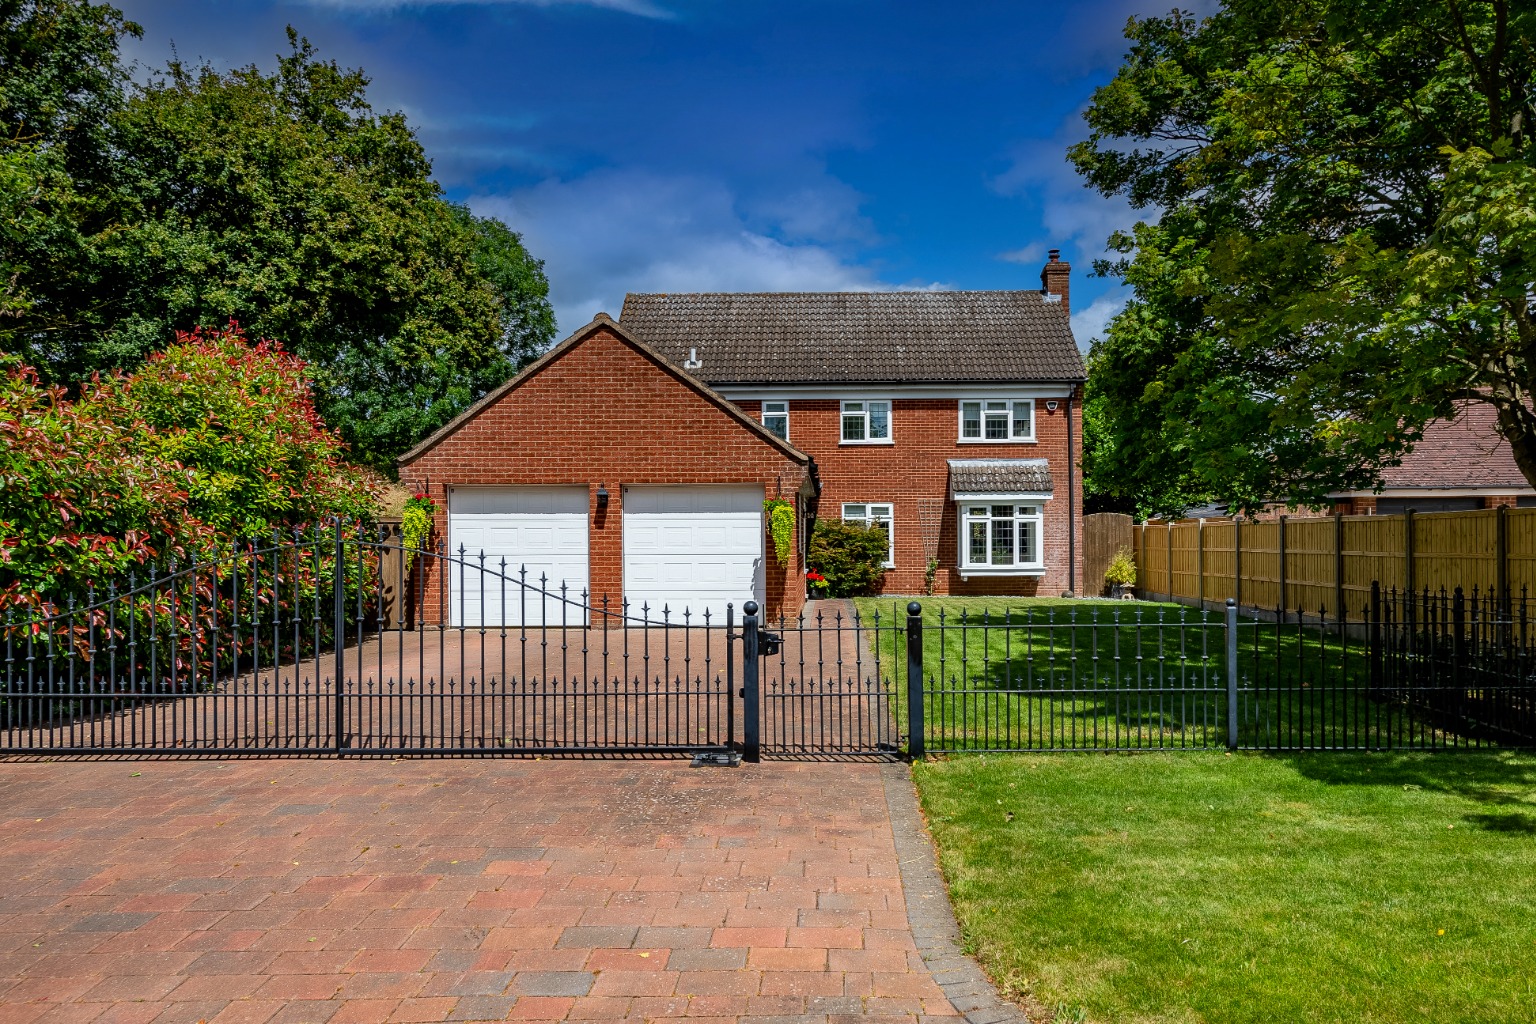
x,y
1461,464
633,459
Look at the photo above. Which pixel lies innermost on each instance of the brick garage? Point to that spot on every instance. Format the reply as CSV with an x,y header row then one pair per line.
x,y
603,410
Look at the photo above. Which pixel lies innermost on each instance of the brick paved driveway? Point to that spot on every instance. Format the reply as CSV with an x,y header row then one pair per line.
x,y
289,891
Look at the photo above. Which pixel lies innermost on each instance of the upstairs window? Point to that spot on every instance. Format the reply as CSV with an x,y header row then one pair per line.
x,y
776,418
1000,536
866,422
997,420
879,515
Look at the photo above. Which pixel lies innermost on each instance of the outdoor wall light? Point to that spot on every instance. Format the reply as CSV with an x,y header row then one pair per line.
x,y
602,496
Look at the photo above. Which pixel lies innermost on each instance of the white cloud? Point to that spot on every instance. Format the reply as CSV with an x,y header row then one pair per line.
x,y
615,231
643,8
1089,324
1032,253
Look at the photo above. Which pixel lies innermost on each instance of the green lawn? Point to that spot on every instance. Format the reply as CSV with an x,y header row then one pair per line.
x,y
1040,674
1205,887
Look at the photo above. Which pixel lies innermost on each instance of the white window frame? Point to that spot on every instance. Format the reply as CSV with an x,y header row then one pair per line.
x,y
1023,512
869,517
863,411
1011,407
781,410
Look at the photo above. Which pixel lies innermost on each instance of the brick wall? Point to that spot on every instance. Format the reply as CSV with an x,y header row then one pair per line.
x,y
602,412
926,435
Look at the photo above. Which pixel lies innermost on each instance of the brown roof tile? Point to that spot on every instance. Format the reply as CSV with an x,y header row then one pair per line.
x,y
1465,451
860,337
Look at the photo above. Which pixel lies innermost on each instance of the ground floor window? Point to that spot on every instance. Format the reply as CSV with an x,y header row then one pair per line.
x,y
876,515
1000,536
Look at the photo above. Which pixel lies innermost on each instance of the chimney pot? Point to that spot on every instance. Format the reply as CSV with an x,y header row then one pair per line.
x,y
1054,254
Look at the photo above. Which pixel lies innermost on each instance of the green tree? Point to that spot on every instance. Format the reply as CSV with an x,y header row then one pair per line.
x,y
1344,247
284,201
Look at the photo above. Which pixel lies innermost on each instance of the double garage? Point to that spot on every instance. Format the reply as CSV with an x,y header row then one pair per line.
x,y
603,478
687,551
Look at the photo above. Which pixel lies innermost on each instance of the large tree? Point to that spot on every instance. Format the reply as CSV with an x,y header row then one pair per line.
x,y
1344,246
284,201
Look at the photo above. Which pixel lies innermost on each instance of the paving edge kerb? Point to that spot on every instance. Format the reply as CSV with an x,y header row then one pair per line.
x,y
930,914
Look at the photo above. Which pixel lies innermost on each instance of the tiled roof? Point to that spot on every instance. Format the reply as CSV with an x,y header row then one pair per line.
x,y
999,476
860,337
1465,451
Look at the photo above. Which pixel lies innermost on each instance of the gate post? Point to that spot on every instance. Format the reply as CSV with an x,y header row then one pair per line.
x,y
915,739
339,601
1231,673
751,737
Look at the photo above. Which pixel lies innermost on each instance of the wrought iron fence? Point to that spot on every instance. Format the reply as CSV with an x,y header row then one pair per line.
x,y
1430,671
329,641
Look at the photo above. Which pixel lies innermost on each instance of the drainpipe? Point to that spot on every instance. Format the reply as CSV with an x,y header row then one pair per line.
x,y
1071,503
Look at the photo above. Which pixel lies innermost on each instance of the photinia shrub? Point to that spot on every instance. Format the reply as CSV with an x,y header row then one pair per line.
x,y
209,445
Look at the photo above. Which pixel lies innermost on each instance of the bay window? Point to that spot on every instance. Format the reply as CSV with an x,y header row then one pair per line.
x,y
1000,537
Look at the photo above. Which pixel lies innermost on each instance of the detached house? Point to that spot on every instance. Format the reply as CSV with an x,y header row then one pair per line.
x,y
631,462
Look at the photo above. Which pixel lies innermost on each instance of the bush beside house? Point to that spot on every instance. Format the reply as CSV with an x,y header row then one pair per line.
x,y
851,557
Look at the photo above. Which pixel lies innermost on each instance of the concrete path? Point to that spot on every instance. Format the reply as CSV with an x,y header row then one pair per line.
x,y
368,891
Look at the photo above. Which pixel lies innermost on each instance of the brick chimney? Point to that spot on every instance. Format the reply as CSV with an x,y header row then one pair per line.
x,y
1056,279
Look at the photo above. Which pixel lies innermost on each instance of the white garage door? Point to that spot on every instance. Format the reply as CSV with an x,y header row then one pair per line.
x,y
693,549
542,529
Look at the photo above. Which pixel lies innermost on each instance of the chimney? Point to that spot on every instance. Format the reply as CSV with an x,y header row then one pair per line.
x,y
1055,279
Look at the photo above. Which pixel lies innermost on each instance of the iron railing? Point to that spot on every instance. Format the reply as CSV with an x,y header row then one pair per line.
x,y
325,640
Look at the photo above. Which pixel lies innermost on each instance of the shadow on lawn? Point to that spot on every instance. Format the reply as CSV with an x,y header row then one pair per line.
x,y
1501,779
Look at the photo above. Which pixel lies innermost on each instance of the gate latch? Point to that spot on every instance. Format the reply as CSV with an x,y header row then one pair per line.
x,y
768,643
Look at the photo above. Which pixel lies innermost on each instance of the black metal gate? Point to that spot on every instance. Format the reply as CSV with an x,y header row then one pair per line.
x,y
327,642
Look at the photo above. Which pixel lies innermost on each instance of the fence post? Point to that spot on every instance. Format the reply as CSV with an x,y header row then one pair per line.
x,y
1200,563
1409,580
339,611
1338,567
751,736
915,739
1283,580
1375,636
1501,567
1237,559
1170,560
1231,673
1458,632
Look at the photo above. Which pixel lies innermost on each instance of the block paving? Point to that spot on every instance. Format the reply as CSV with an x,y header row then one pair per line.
x,y
310,891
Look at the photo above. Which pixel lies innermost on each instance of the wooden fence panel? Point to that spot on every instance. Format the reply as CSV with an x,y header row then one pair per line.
x,y
1326,557
1520,529
1310,564
1104,533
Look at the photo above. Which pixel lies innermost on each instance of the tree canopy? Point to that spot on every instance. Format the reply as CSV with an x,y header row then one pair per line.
x,y
1343,249
278,199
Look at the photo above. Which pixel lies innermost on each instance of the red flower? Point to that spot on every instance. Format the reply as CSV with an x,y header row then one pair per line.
x,y
813,576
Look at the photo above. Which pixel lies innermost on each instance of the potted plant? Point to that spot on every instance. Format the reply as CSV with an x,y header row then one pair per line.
x,y
815,584
1121,575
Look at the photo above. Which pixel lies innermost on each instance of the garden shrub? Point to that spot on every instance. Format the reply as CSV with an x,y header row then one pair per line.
x,y
209,443
850,555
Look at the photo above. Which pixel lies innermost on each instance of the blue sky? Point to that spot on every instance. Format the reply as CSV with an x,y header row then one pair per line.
x,y
695,145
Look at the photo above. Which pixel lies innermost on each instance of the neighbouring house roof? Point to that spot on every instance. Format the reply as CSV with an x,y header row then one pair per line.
x,y
603,321
999,476
860,337
1465,451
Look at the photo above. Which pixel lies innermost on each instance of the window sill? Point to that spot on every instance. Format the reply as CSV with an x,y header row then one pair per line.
x,y
998,440
966,572
865,444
